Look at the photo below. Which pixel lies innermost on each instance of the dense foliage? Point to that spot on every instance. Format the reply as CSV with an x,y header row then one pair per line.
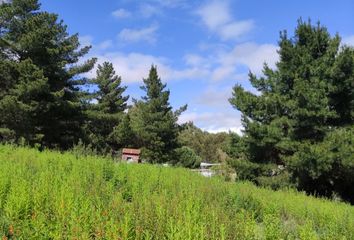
x,y
50,195
40,100
303,118
187,158
209,146
105,110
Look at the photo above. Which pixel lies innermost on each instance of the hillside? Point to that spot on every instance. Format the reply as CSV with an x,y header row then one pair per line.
x,y
49,195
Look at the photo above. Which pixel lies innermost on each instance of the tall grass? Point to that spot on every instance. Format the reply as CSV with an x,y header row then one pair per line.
x,y
50,195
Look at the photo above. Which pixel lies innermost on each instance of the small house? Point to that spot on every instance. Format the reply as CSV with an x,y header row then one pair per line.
x,y
131,155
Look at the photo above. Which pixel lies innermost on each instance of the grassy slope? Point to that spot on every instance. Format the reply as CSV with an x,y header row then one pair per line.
x,y
62,196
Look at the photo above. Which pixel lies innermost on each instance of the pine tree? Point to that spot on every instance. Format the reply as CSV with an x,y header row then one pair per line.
x,y
106,109
153,121
123,134
21,104
308,96
37,37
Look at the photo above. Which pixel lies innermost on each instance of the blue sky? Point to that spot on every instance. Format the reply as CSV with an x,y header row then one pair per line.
x,y
201,48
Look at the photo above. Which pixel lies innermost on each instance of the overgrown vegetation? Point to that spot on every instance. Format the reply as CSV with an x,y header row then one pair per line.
x,y
48,195
40,97
298,127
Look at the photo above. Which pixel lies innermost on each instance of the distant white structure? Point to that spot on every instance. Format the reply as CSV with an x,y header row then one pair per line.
x,y
205,165
205,169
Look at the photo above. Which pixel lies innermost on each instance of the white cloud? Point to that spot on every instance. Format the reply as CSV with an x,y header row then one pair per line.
x,y
194,59
221,121
105,45
216,16
171,3
251,55
214,97
198,61
235,30
193,73
220,116
237,130
133,67
157,7
121,13
223,72
234,64
135,35
148,10
86,40
349,40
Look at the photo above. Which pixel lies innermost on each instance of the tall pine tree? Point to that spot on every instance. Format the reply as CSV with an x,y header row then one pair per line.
x,y
40,42
106,109
153,121
302,105
22,103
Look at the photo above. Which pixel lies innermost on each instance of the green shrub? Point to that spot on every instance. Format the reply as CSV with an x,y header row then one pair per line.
x,y
7,135
187,158
326,168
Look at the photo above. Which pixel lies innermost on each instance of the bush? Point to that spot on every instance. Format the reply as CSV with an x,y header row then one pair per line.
x,y
280,181
187,158
81,149
326,168
7,135
265,175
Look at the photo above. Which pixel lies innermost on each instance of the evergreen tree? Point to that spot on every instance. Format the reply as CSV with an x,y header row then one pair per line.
x,y
21,103
308,96
39,39
106,109
123,133
153,121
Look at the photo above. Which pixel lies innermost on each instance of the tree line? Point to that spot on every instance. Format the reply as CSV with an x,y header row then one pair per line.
x,y
46,102
298,121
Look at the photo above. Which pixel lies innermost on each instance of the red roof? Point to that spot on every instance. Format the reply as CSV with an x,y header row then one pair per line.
x,y
131,151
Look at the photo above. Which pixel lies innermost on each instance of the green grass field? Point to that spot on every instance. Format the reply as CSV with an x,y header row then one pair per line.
x,y
50,195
